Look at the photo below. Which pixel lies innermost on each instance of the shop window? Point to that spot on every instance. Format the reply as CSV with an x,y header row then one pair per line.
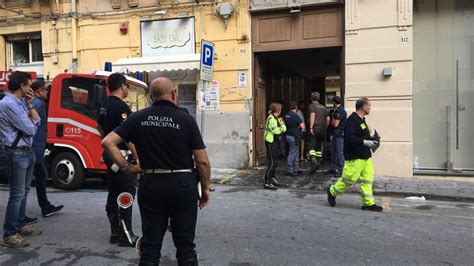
x,y
25,49
82,95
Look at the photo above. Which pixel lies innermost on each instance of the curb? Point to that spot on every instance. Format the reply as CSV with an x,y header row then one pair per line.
x,y
378,192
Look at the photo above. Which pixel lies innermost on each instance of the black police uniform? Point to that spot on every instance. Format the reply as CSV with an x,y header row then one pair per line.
x,y
165,137
112,112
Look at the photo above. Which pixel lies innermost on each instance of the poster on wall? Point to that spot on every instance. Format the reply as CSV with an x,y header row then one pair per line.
x,y
209,96
168,37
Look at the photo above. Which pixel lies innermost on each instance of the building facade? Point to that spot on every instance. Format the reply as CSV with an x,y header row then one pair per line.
x,y
155,38
413,58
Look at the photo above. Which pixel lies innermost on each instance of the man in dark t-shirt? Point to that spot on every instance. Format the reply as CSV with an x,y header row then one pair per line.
x,y
112,112
294,124
318,123
168,144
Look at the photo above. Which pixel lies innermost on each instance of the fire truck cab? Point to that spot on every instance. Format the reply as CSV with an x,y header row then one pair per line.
x,y
73,143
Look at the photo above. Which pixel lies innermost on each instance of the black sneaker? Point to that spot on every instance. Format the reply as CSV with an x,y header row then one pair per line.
x,y
331,198
374,208
30,220
51,210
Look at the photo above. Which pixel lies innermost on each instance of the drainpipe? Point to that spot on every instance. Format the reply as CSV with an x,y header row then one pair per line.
x,y
74,36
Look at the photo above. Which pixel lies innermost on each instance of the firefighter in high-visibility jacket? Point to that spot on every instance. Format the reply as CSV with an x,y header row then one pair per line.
x,y
274,127
358,147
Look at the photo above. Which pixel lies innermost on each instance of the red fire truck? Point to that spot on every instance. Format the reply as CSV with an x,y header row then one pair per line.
x,y
73,144
73,149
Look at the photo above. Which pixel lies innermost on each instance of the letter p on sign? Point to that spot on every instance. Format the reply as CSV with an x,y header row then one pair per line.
x,y
207,60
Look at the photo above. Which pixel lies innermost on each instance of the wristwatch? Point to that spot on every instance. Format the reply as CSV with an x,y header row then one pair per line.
x,y
30,107
125,167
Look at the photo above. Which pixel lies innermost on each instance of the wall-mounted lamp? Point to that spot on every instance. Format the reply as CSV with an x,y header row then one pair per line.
x,y
145,18
183,15
225,10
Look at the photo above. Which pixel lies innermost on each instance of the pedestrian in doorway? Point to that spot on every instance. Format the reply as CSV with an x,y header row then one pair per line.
x,y
41,89
338,122
318,123
274,127
19,121
358,167
166,140
111,114
294,125
300,113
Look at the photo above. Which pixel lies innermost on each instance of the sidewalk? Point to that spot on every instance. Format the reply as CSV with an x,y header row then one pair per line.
x,y
431,187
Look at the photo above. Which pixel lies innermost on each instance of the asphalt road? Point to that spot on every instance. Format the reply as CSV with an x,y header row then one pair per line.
x,y
251,226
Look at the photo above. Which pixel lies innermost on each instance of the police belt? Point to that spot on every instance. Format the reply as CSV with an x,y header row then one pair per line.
x,y
166,171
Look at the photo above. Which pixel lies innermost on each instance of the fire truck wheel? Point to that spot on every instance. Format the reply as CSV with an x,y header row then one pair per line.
x,y
67,171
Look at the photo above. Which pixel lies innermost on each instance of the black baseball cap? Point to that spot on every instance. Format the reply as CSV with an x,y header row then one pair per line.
x,y
336,99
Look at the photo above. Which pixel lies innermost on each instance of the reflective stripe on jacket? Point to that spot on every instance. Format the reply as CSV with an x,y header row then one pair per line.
x,y
274,126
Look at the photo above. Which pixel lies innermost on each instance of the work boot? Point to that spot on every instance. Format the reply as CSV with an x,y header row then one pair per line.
x,y
269,186
314,164
374,208
114,228
274,181
331,198
188,262
126,216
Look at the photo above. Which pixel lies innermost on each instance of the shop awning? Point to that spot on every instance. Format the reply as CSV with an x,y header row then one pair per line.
x,y
157,63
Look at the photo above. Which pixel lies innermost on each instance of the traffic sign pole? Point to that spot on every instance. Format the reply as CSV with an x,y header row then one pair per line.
x,y
207,65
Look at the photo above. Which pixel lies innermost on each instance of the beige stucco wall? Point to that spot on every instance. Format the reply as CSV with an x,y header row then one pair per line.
x,y
373,41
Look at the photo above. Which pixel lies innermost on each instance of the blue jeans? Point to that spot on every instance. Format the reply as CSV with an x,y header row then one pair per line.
x,y
22,172
293,155
337,154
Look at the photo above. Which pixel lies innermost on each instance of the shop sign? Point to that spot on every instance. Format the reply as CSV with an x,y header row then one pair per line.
x,y
168,37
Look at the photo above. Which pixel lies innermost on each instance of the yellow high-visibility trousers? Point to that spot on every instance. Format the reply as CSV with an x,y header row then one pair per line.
x,y
356,171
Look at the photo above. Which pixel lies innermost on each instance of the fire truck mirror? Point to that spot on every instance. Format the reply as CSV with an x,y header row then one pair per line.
x,y
99,94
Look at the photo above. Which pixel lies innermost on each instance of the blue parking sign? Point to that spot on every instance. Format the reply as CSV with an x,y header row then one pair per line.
x,y
207,60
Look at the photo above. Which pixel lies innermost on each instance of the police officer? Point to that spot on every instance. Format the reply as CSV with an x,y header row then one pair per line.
x,y
112,112
318,123
166,140
338,122
358,168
